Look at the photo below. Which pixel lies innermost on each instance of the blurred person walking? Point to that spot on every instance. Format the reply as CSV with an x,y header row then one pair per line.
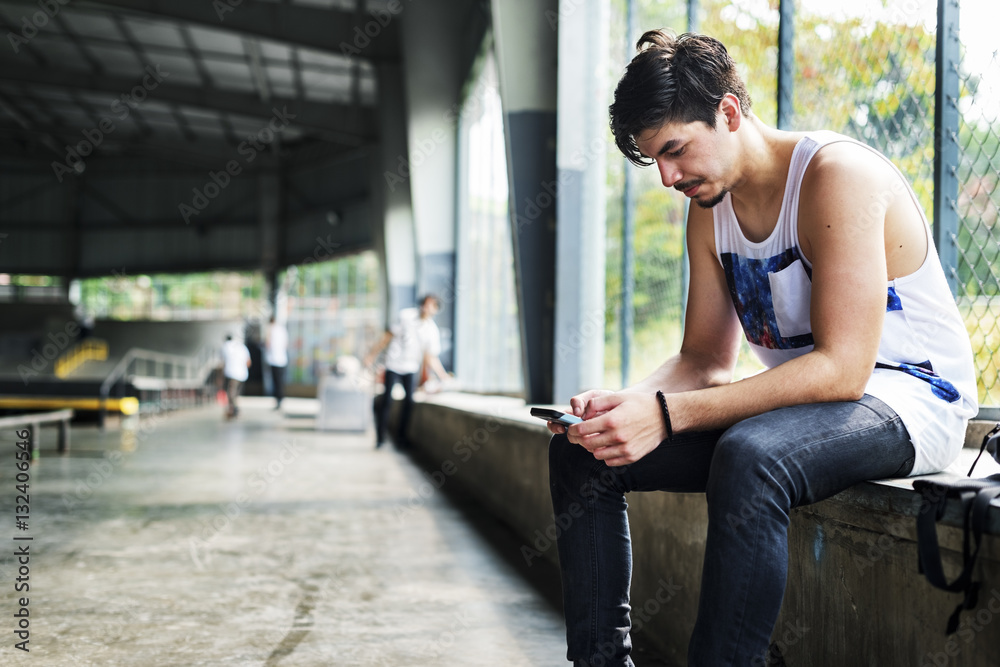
x,y
413,342
235,371
276,356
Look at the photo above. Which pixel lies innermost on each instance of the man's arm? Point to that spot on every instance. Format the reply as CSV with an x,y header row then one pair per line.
x,y
712,332
847,310
707,357
434,363
377,349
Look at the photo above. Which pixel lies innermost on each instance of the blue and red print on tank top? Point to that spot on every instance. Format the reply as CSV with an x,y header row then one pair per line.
x,y
922,370
750,288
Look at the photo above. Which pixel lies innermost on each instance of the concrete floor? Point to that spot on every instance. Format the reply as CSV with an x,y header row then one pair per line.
x,y
188,540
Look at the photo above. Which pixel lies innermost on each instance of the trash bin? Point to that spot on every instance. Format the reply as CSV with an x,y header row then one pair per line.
x,y
345,400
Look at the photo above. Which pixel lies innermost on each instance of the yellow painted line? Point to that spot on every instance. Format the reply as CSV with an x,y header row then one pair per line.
x,y
127,406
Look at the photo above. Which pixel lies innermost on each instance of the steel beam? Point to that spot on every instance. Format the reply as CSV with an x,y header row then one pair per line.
x,y
946,156
341,123
373,35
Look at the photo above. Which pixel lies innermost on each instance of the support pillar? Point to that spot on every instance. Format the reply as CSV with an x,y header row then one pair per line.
x,y
580,209
269,221
946,121
525,33
435,66
786,63
394,237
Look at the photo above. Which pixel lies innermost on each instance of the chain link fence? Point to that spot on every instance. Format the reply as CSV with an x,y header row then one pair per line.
x,y
978,199
658,241
867,70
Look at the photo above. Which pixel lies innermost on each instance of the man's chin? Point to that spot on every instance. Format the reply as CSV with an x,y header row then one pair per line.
x,y
713,202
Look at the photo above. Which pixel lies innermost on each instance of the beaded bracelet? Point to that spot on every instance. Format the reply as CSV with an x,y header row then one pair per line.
x,y
666,414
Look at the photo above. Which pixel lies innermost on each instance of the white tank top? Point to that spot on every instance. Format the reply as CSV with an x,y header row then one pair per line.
x,y
924,369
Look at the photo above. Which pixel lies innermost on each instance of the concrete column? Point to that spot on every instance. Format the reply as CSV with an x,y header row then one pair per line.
x,y
525,33
269,221
394,237
580,211
434,36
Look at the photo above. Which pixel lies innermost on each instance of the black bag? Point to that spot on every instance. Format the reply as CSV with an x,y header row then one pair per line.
x,y
975,496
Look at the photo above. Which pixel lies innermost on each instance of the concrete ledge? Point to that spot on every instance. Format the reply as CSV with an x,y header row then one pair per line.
x,y
854,596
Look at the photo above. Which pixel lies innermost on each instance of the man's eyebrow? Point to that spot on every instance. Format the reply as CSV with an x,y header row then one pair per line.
x,y
669,146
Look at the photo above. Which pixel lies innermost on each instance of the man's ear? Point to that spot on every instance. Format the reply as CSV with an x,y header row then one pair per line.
x,y
732,116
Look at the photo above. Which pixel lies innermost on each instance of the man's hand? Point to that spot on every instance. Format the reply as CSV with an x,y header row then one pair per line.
x,y
578,405
618,428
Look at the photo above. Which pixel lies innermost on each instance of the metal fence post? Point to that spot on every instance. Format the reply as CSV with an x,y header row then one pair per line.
x,y
946,93
628,229
786,63
692,26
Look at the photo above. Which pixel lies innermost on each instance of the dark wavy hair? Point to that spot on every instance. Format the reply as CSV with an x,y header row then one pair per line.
x,y
672,79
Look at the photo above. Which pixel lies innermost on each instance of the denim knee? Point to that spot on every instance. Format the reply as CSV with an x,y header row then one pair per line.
x,y
575,470
745,463
567,462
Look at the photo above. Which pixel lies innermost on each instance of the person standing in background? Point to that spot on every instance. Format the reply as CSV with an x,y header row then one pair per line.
x,y
276,356
235,370
413,341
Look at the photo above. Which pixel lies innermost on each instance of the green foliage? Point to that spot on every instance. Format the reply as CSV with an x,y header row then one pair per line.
x,y
982,320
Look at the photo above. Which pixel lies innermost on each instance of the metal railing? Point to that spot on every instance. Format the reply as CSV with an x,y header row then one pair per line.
x,y
158,372
90,349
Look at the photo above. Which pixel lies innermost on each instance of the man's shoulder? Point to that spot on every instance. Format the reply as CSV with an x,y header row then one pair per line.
x,y
838,152
427,325
847,166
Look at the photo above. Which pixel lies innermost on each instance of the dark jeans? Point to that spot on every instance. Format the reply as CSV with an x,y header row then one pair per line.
x,y
752,475
278,379
409,382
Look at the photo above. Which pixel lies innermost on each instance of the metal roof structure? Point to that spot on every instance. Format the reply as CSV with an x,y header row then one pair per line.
x,y
144,135
182,80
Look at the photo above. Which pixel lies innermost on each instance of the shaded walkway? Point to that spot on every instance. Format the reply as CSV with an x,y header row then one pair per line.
x,y
192,541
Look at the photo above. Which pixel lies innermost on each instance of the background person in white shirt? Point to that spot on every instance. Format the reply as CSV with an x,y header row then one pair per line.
x,y
413,340
235,370
276,356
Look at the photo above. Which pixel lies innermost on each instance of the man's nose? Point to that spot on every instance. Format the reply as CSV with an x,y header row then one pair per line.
x,y
669,173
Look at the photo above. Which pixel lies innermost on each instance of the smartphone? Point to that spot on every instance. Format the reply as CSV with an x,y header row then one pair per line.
x,y
555,416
